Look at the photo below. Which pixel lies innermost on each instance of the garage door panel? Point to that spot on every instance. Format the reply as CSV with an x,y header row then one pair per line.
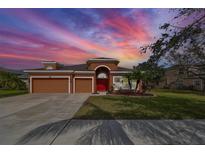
x,y
57,85
83,85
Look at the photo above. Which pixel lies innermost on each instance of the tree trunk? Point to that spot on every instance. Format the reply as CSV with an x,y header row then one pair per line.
x,y
130,84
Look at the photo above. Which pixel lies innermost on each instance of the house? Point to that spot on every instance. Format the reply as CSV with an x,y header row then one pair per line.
x,y
177,77
96,75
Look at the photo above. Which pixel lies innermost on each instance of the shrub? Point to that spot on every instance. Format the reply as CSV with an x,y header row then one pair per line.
x,y
11,81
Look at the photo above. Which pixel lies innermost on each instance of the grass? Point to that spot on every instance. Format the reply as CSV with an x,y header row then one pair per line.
x,y
7,92
179,91
165,105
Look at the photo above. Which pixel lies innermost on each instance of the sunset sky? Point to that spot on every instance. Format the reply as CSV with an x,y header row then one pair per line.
x,y
71,36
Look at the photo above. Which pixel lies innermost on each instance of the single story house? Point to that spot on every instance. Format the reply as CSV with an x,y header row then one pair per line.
x,y
96,75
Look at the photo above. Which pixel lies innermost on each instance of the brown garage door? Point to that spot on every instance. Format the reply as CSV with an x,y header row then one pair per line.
x,y
83,85
57,85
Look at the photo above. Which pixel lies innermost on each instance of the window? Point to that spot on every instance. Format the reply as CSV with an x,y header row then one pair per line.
x,y
117,79
117,82
49,68
121,82
102,76
197,83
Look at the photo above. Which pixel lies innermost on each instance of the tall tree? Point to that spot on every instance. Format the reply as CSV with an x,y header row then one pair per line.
x,y
148,72
182,43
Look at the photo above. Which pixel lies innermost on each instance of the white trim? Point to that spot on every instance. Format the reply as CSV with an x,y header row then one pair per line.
x,y
83,77
58,71
48,71
48,77
120,71
31,84
84,72
102,66
71,71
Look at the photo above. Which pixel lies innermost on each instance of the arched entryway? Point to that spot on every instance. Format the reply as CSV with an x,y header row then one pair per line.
x,y
102,79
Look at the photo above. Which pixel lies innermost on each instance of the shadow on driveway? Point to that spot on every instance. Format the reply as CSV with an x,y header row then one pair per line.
x,y
118,132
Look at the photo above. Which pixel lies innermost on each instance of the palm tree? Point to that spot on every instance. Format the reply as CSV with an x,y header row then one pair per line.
x,y
129,78
11,81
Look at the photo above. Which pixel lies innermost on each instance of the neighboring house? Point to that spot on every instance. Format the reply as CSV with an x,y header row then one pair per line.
x,y
97,75
177,77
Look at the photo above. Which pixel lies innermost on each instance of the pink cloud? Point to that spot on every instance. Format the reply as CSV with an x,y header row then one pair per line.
x,y
61,44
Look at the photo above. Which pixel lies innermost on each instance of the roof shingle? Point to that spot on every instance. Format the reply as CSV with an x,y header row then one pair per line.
x,y
81,67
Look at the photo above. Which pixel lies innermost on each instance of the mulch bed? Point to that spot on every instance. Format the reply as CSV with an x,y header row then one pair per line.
x,y
130,93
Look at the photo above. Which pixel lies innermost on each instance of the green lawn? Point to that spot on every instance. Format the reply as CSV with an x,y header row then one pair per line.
x,y
165,105
7,93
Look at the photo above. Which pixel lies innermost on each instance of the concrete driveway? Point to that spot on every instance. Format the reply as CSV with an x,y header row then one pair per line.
x,y
47,119
129,132
20,115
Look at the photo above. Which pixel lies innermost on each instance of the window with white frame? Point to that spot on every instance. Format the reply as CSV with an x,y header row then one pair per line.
x,y
121,82
117,79
117,82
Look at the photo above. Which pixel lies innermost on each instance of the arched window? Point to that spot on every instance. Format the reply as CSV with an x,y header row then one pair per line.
x,y
102,76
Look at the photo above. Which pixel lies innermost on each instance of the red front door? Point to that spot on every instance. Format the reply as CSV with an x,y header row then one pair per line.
x,y
102,84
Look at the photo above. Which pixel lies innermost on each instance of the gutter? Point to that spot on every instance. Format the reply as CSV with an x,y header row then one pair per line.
x,y
48,71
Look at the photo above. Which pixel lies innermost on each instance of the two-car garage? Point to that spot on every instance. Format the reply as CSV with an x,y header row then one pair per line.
x,y
61,84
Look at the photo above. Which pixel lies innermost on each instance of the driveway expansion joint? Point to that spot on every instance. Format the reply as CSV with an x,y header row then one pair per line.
x,y
60,131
